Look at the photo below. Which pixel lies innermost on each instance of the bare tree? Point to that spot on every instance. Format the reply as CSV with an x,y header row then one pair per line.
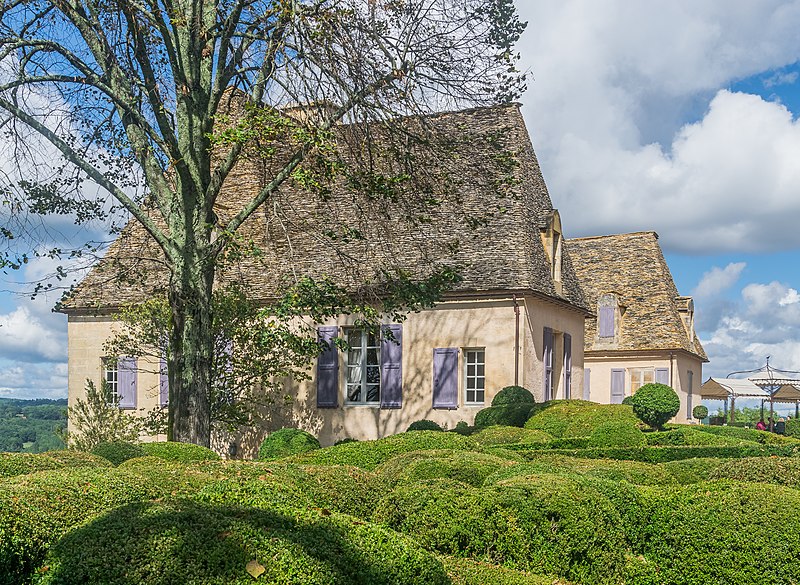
x,y
138,86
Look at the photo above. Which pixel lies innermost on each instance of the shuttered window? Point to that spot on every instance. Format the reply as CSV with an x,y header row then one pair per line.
x,y
474,376
391,366
445,377
328,369
547,358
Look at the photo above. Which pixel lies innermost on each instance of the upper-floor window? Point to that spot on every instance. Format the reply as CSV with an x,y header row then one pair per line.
x,y
608,311
552,241
363,367
474,376
111,378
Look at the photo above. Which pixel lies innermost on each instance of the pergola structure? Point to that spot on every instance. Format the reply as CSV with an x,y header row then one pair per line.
x,y
767,383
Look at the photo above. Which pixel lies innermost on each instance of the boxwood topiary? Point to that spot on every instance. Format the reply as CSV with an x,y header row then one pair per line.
x,y
774,470
118,451
577,418
793,427
286,442
512,415
695,470
151,543
174,451
503,435
655,404
469,572
465,466
513,395
424,425
617,434
699,412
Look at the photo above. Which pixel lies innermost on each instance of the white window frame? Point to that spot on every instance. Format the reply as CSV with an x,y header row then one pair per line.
x,y
475,377
111,379
641,375
363,367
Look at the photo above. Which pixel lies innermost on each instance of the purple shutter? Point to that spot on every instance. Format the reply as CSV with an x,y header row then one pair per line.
x,y
547,359
587,384
392,367
690,383
606,326
126,382
163,383
662,376
328,370
617,386
567,366
445,377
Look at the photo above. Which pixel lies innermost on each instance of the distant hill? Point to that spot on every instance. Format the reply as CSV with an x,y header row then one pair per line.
x,y
31,425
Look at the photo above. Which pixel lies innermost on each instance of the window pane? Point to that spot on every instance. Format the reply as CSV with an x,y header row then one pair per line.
x,y
373,375
373,393
480,396
353,374
480,383
470,395
481,369
372,357
470,383
354,337
649,376
373,340
354,393
354,356
470,370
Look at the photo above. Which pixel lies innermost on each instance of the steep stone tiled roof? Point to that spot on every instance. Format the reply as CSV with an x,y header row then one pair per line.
x,y
492,204
632,267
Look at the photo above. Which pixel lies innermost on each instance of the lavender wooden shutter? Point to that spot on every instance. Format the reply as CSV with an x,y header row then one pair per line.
x,y
445,377
587,384
126,382
547,359
617,386
328,370
690,383
567,366
392,367
662,376
606,325
163,383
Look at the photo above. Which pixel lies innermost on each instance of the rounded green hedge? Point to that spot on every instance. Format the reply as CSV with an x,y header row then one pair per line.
x,y
424,425
286,442
686,471
546,524
369,454
511,415
118,451
183,452
186,542
655,404
503,435
469,572
690,435
700,412
513,395
774,470
467,467
577,418
617,434
752,435
12,464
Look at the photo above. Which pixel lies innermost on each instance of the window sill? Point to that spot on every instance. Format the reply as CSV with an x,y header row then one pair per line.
x,y
474,405
375,405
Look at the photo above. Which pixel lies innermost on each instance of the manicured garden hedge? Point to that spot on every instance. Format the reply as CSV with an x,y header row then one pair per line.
x,y
503,435
186,542
544,523
663,454
118,451
370,454
286,442
174,451
617,434
686,471
774,470
754,435
465,466
577,418
469,572
513,395
510,415
12,464
686,435
424,425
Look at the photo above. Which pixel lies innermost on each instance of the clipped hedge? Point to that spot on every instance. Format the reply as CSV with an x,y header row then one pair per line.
x,y
467,467
370,454
655,404
686,471
186,542
513,395
633,472
469,572
686,435
511,415
717,532
793,428
752,435
617,434
663,454
774,470
183,452
286,442
545,524
36,510
503,435
424,425
577,418
13,464
118,451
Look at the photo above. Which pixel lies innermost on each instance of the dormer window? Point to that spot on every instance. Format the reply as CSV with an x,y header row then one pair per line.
x,y
608,313
552,240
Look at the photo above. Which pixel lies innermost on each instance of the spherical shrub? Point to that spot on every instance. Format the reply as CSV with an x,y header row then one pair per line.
x,y
699,412
628,401
118,451
424,425
462,428
655,404
467,467
512,415
617,434
174,451
286,442
513,395
150,543
577,418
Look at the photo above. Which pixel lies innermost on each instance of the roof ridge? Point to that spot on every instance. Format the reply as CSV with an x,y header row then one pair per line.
x,y
639,233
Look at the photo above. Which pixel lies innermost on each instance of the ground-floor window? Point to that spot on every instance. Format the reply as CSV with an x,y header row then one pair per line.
x,y
475,375
641,376
111,378
363,367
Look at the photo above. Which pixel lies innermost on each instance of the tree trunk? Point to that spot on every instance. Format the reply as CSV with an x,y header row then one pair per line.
x,y
191,351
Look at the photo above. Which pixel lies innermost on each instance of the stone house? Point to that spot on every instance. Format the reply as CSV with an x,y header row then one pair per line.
x,y
641,330
516,316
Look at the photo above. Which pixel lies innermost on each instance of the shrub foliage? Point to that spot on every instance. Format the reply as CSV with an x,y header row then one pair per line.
x,y
513,395
286,442
655,404
424,425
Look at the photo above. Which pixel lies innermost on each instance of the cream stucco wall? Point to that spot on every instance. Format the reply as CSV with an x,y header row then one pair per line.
x,y
682,363
489,324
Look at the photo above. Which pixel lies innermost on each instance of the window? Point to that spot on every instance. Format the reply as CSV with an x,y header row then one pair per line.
x,y
111,377
475,375
363,367
640,377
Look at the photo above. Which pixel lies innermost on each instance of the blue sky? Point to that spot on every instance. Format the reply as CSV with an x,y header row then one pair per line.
x,y
678,116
